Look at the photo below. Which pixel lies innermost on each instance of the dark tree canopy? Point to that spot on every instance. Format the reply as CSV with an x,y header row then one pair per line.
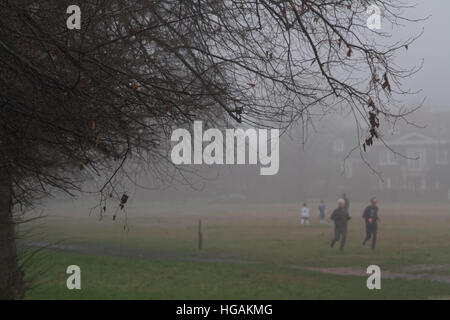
x,y
78,104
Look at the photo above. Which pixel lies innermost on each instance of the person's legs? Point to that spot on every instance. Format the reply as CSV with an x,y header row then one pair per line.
x,y
336,237
344,237
374,238
368,235
303,220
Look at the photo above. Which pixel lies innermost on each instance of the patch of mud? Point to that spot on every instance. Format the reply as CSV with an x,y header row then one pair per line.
x,y
386,274
425,267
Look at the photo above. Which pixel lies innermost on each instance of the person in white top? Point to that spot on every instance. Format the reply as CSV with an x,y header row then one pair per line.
x,y
305,214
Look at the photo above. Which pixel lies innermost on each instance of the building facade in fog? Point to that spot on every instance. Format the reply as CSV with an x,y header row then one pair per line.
x,y
414,166
420,163
413,162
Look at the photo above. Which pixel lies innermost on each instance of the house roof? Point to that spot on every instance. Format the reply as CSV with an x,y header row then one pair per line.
x,y
424,129
415,138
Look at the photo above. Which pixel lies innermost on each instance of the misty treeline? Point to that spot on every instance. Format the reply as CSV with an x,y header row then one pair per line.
x,y
76,105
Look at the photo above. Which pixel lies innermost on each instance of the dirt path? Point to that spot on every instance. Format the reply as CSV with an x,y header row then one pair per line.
x,y
129,253
386,274
412,272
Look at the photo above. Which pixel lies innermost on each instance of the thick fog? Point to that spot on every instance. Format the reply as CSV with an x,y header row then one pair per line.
x,y
309,169
433,48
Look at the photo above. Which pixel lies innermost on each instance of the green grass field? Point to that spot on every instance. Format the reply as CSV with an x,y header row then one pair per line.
x,y
249,252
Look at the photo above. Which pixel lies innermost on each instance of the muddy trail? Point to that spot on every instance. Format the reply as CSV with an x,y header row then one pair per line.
x,y
411,272
403,273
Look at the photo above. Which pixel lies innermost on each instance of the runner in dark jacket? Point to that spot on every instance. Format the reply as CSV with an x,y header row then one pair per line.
x,y
322,208
347,202
370,215
340,217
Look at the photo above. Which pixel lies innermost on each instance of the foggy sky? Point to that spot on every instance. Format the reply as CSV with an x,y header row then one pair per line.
x,y
434,48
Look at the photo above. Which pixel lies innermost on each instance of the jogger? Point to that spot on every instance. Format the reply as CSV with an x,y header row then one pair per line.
x,y
338,233
322,208
340,217
305,214
370,215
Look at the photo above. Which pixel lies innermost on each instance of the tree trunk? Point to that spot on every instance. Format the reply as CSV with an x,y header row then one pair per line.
x,y
11,275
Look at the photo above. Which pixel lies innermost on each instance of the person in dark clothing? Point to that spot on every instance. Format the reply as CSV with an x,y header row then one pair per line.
x,y
347,202
370,215
322,208
340,217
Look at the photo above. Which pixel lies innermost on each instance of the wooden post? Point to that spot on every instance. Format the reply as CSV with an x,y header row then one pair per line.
x,y
200,236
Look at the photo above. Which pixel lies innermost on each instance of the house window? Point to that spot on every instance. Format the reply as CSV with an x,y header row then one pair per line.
x,y
385,184
438,184
440,131
416,159
386,158
388,183
338,146
423,184
442,157
348,169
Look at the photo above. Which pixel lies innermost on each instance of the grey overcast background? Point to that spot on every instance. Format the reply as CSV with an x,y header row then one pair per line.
x,y
234,234
434,48
236,183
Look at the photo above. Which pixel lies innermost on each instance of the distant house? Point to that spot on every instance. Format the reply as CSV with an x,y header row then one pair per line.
x,y
414,162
